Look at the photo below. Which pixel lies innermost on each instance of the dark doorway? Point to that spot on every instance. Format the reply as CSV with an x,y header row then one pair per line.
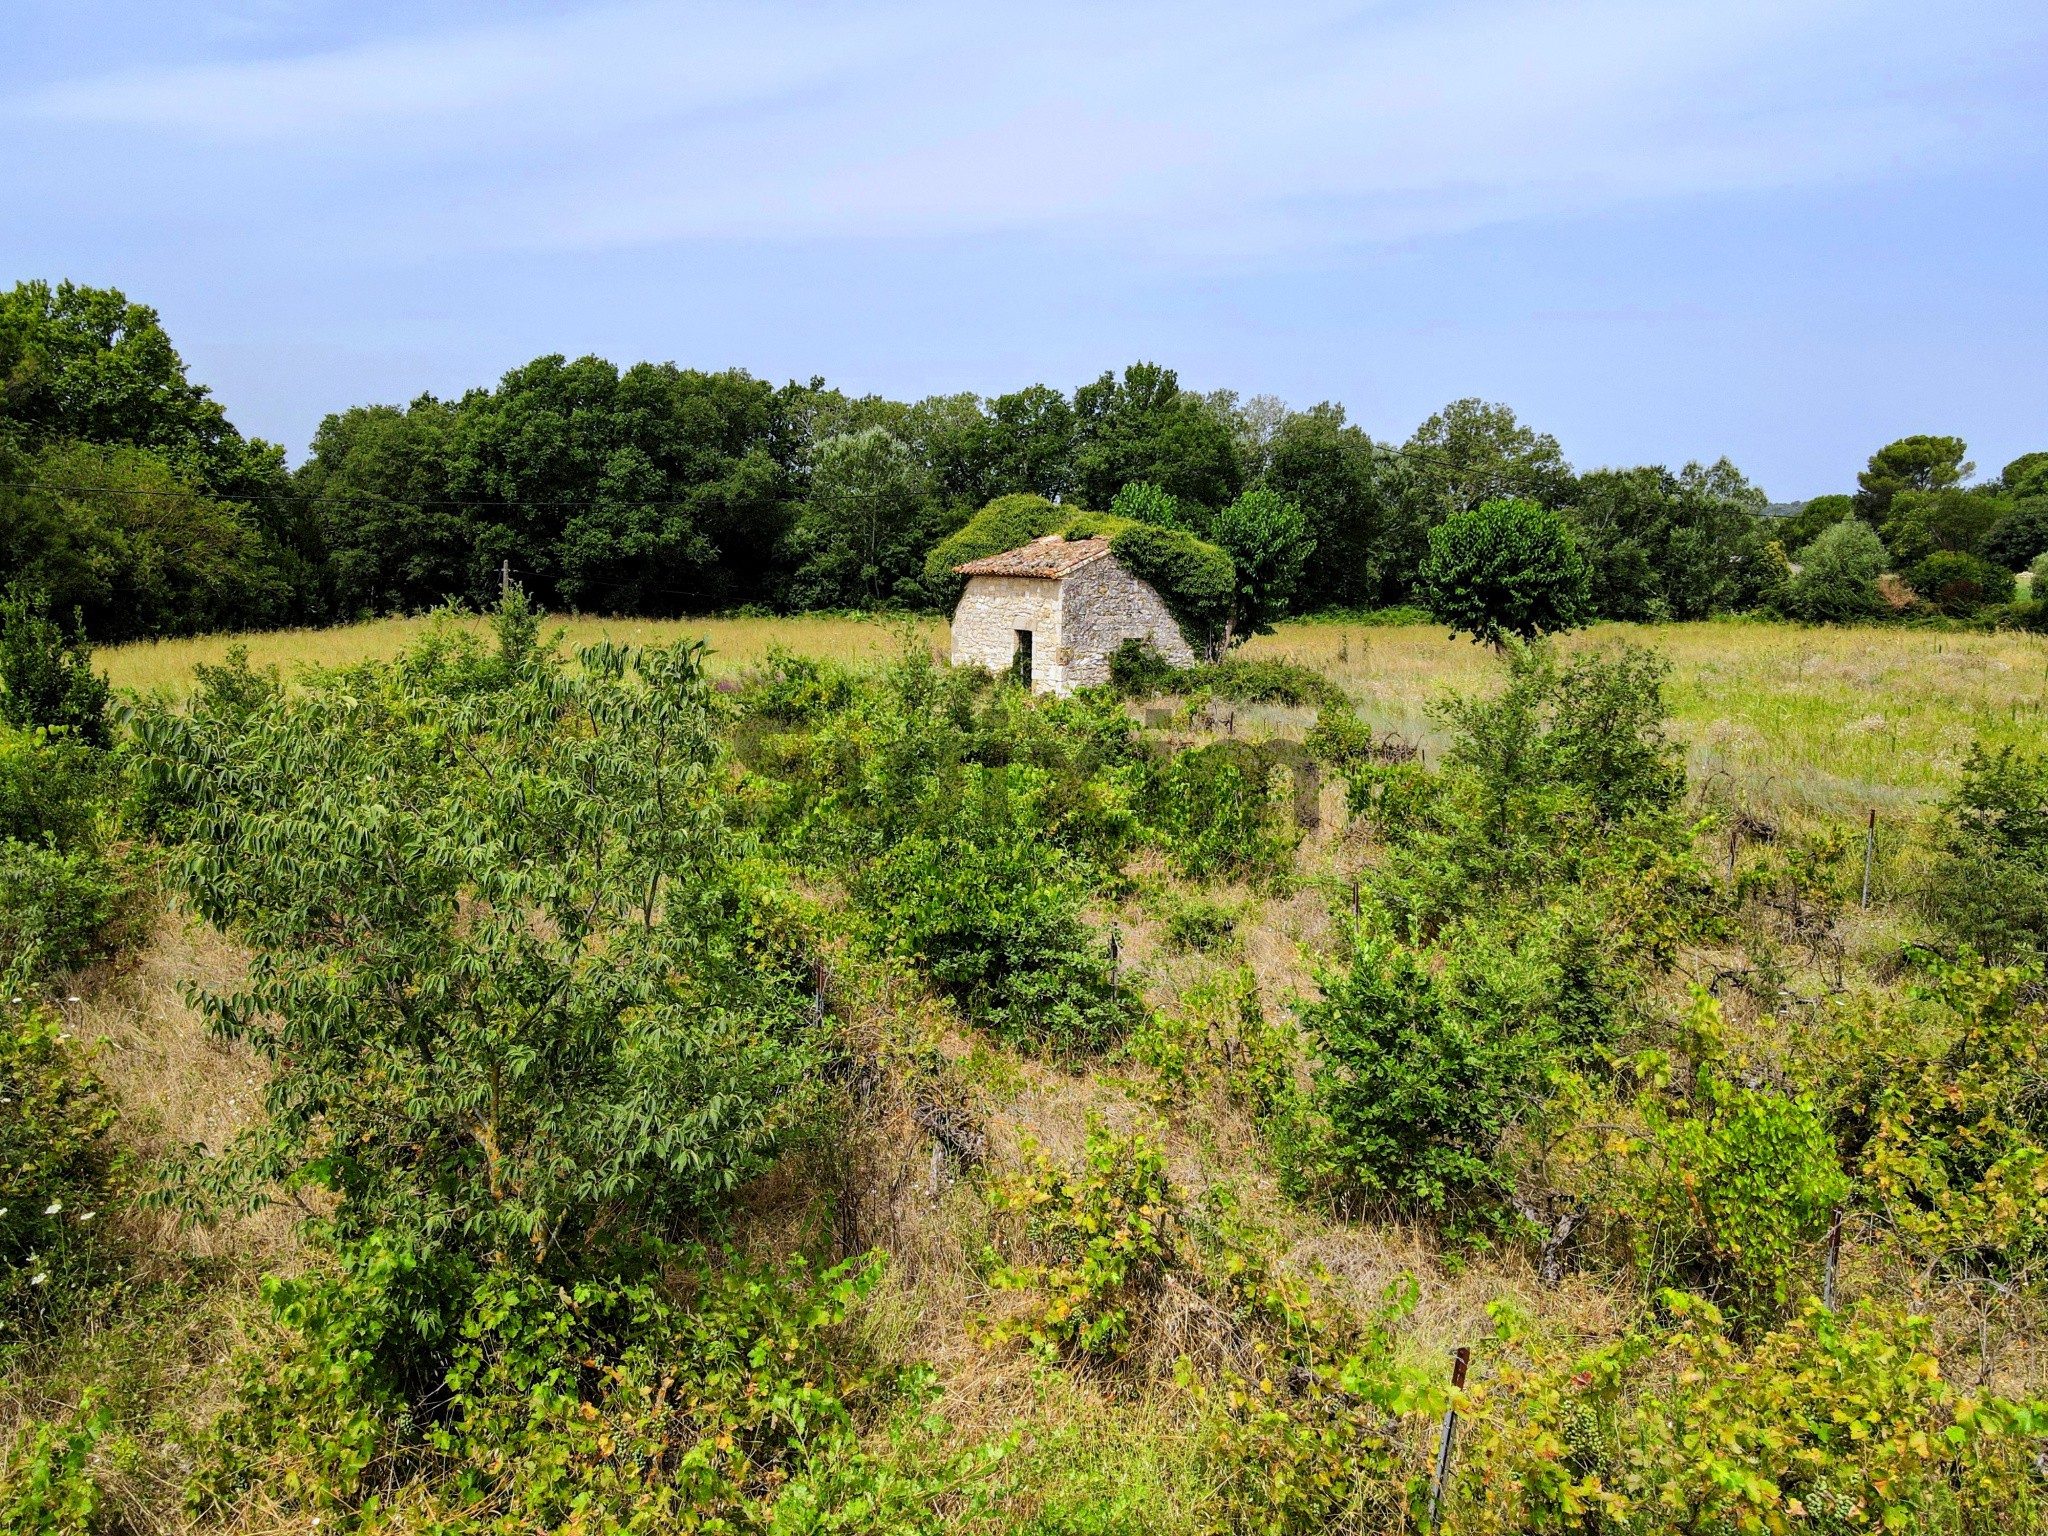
x,y
1021,666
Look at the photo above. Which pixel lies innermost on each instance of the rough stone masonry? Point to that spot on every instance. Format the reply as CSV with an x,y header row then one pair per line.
x,y
1058,607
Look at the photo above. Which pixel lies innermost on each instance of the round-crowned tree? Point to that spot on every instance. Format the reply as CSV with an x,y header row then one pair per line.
x,y
1506,567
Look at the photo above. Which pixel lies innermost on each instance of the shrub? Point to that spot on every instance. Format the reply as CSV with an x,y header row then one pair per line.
x,y
602,1405
1503,568
798,690
46,1481
1219,813
508,952
1138,671
1419,1090
50,787
997,925
1939,1110
55,1170
2020,538
1837,579
1730,1195
1831,1423
46,677
1989,883
1143,502
1959,584
55,909
1106,1230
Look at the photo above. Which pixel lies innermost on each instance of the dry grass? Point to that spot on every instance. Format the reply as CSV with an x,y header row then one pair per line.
x,y
166,665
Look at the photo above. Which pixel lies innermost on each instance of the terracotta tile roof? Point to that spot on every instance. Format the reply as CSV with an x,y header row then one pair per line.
x,y
1051,557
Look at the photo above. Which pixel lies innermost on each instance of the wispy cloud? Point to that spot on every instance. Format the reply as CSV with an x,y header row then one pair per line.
x,y
1188,126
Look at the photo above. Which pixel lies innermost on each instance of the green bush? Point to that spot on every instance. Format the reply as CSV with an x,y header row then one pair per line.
x,y
1958,584
1738,1191
1832,1423
1222,812
46,677
1138,671
1106,1232
797,690
46,1481
50,787
56,1169
997,925
1989,883
1421,1073
56,908
510,954
1837,579
601,1405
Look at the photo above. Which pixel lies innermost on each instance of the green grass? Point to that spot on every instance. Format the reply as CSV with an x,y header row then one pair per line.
x,y
1831,721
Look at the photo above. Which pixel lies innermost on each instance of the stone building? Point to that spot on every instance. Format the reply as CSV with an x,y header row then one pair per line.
x,y
1055,610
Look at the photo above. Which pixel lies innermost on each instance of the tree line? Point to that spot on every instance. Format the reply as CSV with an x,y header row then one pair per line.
x,y
127,496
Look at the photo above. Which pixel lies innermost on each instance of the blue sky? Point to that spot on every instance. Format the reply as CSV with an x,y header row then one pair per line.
x,y
1784,230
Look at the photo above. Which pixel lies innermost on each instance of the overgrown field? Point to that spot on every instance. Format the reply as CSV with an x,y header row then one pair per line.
x,y
486,1087
1834,720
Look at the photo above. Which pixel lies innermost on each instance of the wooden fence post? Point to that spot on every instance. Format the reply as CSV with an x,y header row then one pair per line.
x,y
1869,855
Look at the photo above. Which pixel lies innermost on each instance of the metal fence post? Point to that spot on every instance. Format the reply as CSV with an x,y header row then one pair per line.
x,y
1459,1361
1827,1280
1869,854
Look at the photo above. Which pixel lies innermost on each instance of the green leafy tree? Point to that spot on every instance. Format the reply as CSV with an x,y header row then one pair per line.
x,y
522,995
1334,473
862,536
1989,884
1144,426
46,676
1471,452
1665,546
2026,475
377,482
1958,584
1506,568
1812,520
1911,464
2021,537
1837,579
1269,543
1953,521
115,534
84,364
1143,502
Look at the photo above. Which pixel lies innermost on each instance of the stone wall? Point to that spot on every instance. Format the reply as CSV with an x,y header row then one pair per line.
x,y
1076,622
1105,605
993,609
